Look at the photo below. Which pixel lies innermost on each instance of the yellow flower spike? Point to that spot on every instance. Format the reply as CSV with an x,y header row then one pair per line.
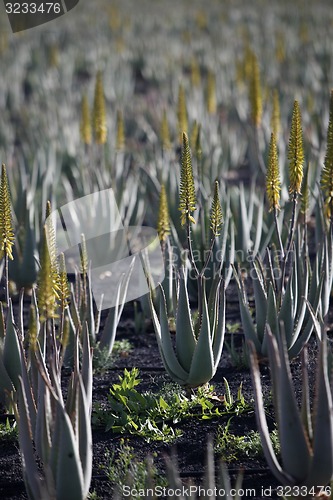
x,y
53,56
187,195
211,93
255,92
295,151
163,224
52,248
32,328
7,237
120,143
99,115
195,73
326,181
83,255
273,185
85,125
164,132
182,112
280,47
276,117
45,291
216,215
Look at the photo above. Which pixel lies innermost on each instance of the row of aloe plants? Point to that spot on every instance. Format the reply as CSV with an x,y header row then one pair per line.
x,y
276,299
281,310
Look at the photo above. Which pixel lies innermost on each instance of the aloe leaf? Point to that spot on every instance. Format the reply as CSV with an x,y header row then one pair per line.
x,y
260,301
295,451
294,278
231,256
84,434
202,367
281,475
42,431
299,340
224,483
2,323
28,388
11,350
86,367
286,313
110,329
185,340
271,318
6,385
244,225
322,462
28,273
33,482
213,302
209,477
305,408
69,479
167,352
247,322
219,330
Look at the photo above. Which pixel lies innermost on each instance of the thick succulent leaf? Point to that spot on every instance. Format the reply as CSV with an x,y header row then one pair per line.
x,y
185,339
213,301
231,256
272,319
11,350
86,367
247,322
244,239
281,475
295,449
299,340
219,331
32,480
294,278
166,349
110,329
202,368
42,433
84,435
69,479
2,324
321,471
28,273
286,313
209,476
258,225
6,384
260,298
28,381
306,408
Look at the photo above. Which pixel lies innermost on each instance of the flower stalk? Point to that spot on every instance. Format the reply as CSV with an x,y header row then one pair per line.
x,y
7,237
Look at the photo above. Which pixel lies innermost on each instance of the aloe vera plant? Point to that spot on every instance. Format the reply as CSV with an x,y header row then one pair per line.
x,y
61,431
305,436
274,306
199,345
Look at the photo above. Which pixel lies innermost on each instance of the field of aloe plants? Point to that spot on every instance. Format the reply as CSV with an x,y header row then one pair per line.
x,y
166,241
